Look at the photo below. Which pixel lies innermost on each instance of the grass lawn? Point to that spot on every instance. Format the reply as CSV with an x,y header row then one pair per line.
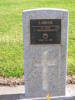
x,y
11,35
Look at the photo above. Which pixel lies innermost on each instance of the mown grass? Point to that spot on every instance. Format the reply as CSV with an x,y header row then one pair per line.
x,y
11,35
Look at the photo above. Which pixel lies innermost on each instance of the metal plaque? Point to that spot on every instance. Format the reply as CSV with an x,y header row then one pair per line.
x,y
45,31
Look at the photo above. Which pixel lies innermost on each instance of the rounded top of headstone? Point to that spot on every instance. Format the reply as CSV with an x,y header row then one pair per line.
x,y
46,9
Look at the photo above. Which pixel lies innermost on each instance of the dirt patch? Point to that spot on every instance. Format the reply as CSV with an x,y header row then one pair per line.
x,y
11,81
71,79
4,81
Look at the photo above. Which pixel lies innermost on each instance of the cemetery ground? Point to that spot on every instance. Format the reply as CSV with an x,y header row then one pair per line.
x,y
11,35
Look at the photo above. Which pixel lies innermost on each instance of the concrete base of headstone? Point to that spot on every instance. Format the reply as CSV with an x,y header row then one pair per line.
x,y
22,97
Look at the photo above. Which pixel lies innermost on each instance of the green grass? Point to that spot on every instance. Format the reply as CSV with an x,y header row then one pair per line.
x,y
11,35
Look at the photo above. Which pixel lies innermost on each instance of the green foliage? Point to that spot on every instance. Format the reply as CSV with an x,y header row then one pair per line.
x,y
11,35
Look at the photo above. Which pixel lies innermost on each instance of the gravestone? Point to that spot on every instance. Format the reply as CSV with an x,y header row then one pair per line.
x,y
45,51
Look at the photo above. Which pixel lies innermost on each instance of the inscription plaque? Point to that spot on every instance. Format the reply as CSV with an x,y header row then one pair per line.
x,y
45,31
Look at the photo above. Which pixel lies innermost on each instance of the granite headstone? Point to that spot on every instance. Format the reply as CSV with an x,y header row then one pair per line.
x,y
45,51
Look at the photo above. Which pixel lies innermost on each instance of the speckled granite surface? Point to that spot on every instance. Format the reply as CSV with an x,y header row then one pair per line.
x,y
45,65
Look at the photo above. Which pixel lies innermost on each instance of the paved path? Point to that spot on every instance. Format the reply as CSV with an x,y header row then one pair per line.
x,y
70,90
11,90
